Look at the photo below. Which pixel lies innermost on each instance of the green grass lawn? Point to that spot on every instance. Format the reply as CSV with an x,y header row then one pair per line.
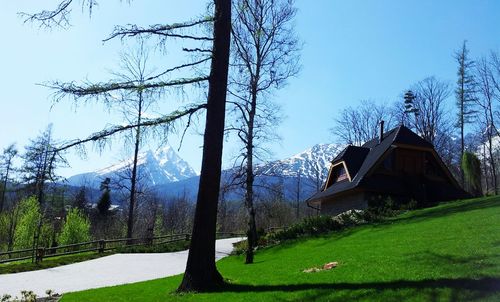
x,y
447,253
27,265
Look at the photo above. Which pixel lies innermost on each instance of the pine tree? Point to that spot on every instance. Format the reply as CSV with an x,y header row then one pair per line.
x,y
105,200
80,201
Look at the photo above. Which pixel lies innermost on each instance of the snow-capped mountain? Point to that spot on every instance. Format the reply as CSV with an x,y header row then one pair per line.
x,y
154,168
311,163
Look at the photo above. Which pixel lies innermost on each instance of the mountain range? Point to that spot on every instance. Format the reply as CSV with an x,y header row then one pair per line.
x,y
168,174
154,168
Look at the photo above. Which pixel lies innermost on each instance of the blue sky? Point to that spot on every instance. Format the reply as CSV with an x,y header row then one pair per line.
x,y
353,50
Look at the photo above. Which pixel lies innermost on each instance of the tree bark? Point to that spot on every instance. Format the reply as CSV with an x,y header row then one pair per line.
x,y
249,173
4,188
133,181
201,273
490,150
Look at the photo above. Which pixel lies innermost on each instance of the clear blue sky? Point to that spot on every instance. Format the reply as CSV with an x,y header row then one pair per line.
x,y
353,50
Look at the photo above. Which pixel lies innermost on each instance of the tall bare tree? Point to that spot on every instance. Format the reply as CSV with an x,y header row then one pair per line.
x,y
465,93
265,55
487,97
134,103
201,273
40,162
356,125
432,121
6,165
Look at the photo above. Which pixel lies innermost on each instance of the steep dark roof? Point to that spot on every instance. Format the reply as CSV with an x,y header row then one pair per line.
x,y
353,157
362,159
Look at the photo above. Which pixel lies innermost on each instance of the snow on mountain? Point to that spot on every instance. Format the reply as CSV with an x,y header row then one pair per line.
x,y
312,163
154,168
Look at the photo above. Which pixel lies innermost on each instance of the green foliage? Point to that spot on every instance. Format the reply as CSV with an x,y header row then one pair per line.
x,y
75,229
158,248
27,265
446,253
4,230
471,166
29,219
309,226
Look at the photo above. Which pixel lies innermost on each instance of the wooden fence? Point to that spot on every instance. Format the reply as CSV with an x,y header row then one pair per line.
x,y
99,246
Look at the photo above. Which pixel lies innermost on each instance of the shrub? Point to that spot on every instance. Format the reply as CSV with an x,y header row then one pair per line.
x,y
309,226
471,167
157,248
75,229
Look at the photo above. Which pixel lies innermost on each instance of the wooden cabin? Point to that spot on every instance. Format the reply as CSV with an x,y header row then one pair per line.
x,y
398,164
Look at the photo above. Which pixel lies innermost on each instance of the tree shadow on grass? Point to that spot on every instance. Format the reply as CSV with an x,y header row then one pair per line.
x,y
480,264
473,289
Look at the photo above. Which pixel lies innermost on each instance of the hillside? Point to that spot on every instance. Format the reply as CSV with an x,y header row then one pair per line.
x,y
447,253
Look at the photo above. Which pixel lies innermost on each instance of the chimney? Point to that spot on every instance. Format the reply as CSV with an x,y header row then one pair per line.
x,y
381,135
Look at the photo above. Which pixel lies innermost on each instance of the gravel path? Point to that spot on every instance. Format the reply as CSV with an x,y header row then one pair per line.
x,y
106,271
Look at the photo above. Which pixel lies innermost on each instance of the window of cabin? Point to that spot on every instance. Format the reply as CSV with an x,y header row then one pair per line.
x,y
339,173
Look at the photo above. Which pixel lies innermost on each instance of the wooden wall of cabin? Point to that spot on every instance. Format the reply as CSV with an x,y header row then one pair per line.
x,y
344,203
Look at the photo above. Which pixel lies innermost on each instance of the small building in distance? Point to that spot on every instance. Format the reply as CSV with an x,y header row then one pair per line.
x,y
398,164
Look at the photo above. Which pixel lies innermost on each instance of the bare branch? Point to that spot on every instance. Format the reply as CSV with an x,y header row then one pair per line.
x,y
94,90
162,30
49,18
166,119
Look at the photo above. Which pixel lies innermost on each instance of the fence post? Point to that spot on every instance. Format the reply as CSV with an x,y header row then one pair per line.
x,y
102,246
187,237
40,252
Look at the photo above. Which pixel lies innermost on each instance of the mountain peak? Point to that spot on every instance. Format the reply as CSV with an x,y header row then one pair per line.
x,y
157,167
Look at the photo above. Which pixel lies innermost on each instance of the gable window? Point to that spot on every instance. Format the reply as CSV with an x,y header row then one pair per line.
x,y
340,173
337,173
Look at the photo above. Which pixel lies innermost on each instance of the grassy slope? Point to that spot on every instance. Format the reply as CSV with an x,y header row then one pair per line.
x,y
447,253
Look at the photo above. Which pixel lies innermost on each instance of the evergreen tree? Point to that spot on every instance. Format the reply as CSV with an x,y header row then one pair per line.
x,y
81,201
105,200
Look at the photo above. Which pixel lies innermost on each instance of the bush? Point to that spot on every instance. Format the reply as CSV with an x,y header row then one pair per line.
x,y
157,248
309,226
76,228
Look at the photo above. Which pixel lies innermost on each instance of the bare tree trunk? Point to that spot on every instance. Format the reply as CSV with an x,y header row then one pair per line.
x,y
201,273
297,198
133,181
490,151
485,169
249,173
